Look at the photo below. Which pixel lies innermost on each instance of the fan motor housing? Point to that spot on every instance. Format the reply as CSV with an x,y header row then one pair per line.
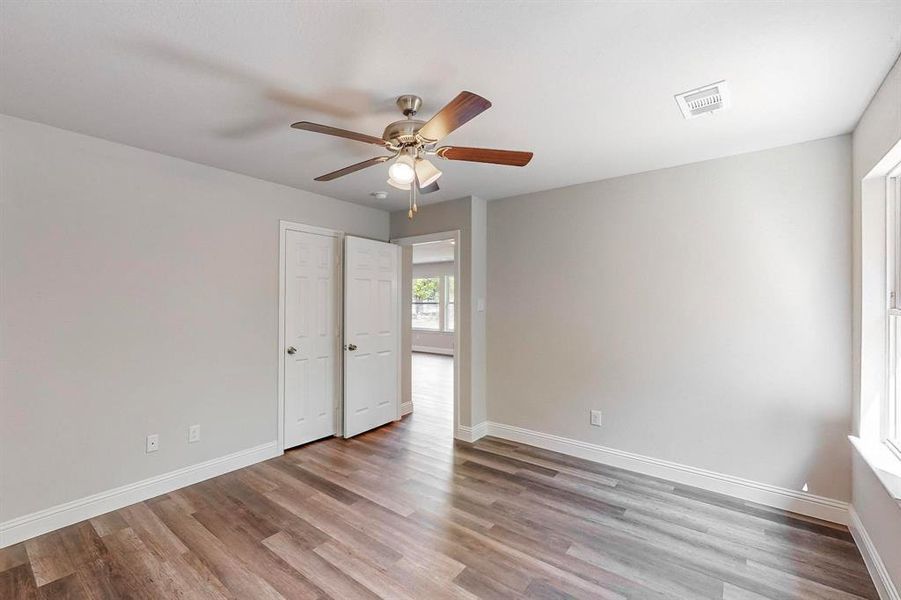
x,y
402,133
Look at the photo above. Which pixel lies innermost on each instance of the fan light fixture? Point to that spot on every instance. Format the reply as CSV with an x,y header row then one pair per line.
x,y
401,172
426,172
401,186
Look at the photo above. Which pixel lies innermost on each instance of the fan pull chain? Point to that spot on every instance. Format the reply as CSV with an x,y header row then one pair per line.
x,y
414,187
410,210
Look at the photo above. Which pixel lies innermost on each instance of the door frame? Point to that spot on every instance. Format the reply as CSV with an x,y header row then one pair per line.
x,y
459,291
283,228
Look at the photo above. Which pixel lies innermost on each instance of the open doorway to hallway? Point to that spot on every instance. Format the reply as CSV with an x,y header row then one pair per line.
x,y
432,332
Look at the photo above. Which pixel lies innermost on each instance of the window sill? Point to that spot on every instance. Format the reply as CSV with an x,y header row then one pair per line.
x,y
430,330
885,464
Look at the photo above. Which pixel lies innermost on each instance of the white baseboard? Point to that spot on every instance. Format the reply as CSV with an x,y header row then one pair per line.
x,y
878,571
406,408
797,501
471,434
38,523
434,350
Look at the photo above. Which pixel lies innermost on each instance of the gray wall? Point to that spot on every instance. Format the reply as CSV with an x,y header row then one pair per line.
x,y
478,330
139,295
877,132
704,309
432,341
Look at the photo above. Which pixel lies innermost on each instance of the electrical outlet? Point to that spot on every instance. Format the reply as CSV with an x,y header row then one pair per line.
x,y
596,418
193,434
153,442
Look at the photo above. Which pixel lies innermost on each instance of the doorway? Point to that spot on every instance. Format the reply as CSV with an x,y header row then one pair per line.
x,y
432,287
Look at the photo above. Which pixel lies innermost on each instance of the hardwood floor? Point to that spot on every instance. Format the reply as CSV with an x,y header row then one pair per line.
x,y
433,393
402,512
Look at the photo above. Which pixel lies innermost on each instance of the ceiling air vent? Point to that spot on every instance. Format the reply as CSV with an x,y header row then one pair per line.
x,y
703,100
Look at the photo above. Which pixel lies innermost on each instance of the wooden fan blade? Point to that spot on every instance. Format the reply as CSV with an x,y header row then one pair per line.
x,y
342,133
485,155
457,112
432,187
352,168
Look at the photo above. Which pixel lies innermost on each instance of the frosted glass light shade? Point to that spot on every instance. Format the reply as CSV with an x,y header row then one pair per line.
x,y
426,172
401,186
402,170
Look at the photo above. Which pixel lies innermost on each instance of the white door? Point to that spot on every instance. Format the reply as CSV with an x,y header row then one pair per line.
x,y
312,336
371,334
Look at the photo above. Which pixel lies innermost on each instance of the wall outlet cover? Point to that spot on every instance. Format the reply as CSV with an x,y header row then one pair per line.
x,y
596,418
153,442
193,434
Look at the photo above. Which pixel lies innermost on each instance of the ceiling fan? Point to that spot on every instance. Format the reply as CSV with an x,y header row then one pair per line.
x,y
412,140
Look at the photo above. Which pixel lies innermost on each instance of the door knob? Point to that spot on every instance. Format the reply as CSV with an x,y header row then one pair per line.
x,y
292,350
351,347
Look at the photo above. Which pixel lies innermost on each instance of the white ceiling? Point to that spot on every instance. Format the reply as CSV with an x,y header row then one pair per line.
x,y
587,86
432,252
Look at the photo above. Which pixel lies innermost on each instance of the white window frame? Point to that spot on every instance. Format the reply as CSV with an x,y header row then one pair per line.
x,y
442,303
891,413
445,301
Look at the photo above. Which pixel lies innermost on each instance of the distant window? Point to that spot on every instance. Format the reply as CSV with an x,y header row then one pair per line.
x,y
426,303
449,303
433,303
892,420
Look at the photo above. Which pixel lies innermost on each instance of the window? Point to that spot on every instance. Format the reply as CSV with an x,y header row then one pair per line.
x,y
426,307
891,421
433,303
449,303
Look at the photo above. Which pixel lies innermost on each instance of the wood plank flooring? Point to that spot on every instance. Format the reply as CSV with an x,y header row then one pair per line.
x,y
403,512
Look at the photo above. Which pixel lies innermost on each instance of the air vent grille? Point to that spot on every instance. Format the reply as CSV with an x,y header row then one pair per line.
x,y
703,100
